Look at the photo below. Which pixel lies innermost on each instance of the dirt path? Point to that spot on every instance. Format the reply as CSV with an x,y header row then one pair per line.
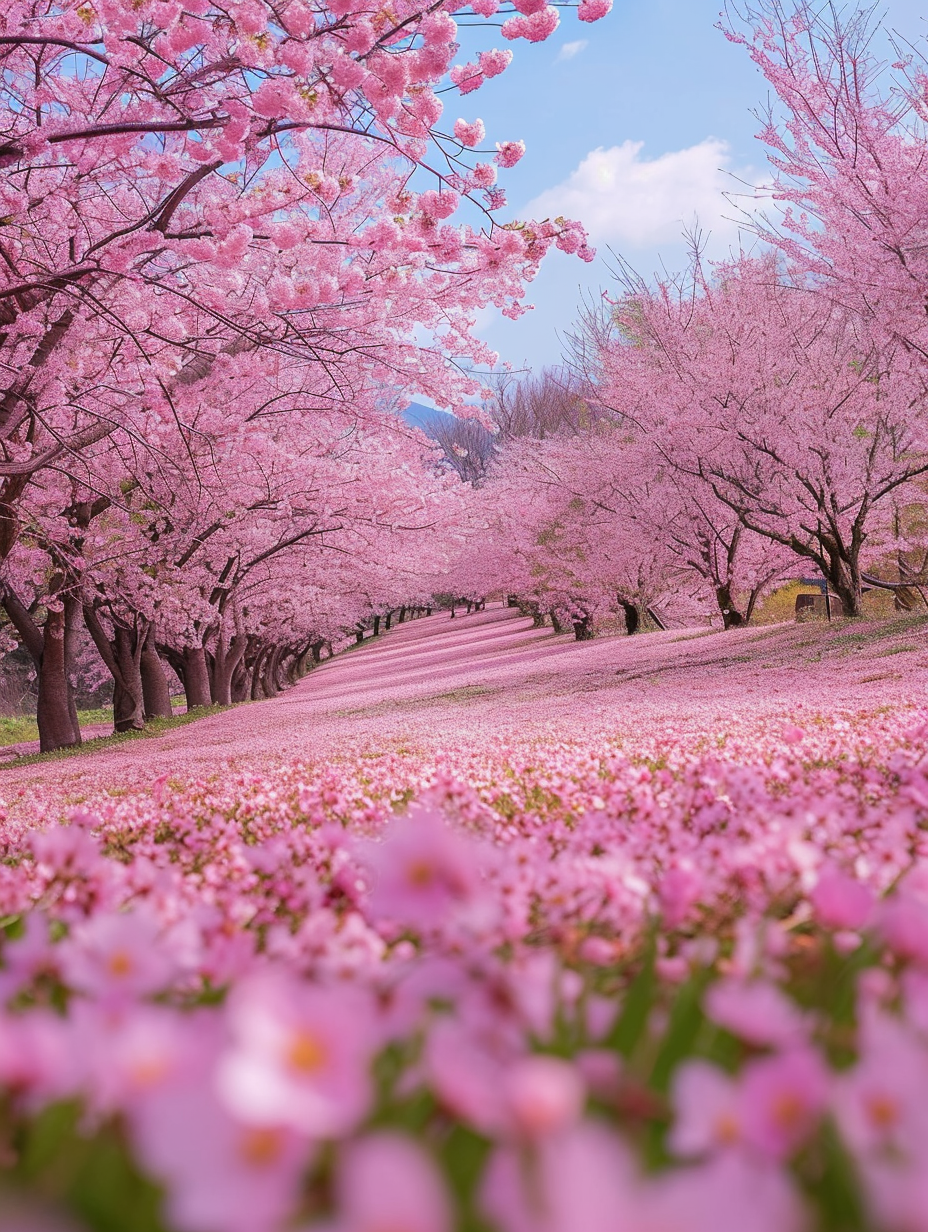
x,y
435,680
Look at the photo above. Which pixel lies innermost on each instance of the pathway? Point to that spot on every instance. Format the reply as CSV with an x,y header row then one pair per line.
x,y
434,681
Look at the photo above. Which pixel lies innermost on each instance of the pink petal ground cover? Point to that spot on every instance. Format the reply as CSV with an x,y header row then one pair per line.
x,y
482,930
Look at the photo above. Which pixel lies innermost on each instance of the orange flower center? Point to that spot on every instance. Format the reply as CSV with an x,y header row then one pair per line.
x,y
120,964
883,1111
789,1111
261,1147
421,874
306,1054
149,1071
727,1129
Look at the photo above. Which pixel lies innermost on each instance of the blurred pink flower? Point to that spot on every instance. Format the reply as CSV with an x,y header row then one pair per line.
x,y
38,1062
782,1099
678,892
730,1193
841,901
423,871
903,921
466,1076
580,1181
879,1103
755,1011
544,1095
300,1055
386,1183
707,1104
117,956
221,1175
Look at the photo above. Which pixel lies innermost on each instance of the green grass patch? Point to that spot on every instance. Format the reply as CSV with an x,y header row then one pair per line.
x,y
17,729
21,728
152,730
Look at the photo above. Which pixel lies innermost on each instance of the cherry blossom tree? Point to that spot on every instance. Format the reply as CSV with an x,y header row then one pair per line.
x,y
847,146
188,191
780,403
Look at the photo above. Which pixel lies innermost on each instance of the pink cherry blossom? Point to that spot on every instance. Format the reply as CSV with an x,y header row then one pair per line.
x,y
469,134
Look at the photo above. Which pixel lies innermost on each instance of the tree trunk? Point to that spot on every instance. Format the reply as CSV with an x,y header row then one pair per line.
x,y
402,615
122,654
56,714
226,660
72,612
195,675
255,684
731,617
583,628
632,616
49,647
387,621
241,682
359,635
377,625
270,678
128,704
556,623
840,566
156,696
845,582
244,674
295,669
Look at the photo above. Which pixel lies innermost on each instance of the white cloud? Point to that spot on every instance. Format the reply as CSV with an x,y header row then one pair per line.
x,y
623,198
569,50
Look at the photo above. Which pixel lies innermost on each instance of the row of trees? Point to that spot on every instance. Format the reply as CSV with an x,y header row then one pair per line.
x,y
716,433
227,255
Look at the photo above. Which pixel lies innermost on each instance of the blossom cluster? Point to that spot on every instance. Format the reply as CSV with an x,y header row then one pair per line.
x,y
674,983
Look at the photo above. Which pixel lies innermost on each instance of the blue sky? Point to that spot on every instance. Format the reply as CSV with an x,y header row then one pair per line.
x,y
631,124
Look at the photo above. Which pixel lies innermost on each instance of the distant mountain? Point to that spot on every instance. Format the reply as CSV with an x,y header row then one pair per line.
x,y
424,417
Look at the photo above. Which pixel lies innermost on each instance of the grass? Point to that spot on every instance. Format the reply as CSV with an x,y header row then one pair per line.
x,y
153,729
465,694
22,728
17,730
